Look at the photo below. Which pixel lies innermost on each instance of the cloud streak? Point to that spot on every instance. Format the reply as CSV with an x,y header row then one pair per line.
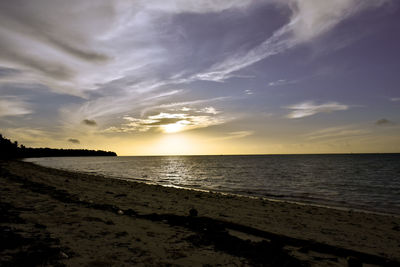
x,y
68,34
235,135
309,20
282,82
334,133
7,72
307,109
11,106
383,122
170,122
74,141
101,55
101,51
89,122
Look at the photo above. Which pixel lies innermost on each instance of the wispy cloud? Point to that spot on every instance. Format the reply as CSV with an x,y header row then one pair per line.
x,y
277,83
170,122
383,122
276,44
195,102
55,29
193,6
395,99
89,45
164,94
333,133
102,55
12,106
306,109
86,58
7,72
309,20
209,110
74,141
282,82
235,135
89,122
104,107
184,104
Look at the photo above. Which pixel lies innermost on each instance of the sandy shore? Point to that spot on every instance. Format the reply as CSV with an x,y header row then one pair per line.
x,y
59,218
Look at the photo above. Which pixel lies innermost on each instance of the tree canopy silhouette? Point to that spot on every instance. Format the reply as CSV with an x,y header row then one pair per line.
x,y
9,150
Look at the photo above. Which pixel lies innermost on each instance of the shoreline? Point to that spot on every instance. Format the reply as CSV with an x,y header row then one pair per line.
x,y
162,214
256,197
286,199
250,196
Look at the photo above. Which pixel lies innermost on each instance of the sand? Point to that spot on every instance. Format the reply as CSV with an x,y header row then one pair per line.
x,y
58,218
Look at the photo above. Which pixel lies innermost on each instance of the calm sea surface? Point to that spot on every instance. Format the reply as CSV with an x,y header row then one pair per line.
x,y
364,181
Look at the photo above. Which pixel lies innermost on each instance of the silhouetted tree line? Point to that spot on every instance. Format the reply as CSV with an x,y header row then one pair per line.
x,y
9,149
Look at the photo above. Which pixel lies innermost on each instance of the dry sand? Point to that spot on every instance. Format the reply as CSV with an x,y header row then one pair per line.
x,y
58,218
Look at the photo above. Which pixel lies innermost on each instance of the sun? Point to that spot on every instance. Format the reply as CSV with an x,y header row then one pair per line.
x,y
172,128
176,127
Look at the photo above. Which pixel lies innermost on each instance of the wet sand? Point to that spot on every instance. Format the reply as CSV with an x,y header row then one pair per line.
x,y
59,218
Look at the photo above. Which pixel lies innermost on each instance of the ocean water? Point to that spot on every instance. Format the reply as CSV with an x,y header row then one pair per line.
x,y
361,181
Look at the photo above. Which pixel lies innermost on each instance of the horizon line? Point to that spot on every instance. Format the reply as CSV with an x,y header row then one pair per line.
x,y
260,154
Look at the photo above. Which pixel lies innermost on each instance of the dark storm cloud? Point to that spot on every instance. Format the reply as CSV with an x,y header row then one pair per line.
x,y
383,122
89,122
74,141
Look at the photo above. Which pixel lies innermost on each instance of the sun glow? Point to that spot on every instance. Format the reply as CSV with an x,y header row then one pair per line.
x,y
176,127
174,144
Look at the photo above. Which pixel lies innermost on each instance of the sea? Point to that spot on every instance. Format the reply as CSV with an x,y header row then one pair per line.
x,y
369,182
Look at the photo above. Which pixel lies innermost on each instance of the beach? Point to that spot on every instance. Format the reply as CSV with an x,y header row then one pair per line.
x,y
59,218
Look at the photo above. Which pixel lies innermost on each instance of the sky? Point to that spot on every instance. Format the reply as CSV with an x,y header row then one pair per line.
x,y
185,77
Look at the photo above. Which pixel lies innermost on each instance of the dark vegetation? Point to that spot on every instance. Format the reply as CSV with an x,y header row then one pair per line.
x,y
10,150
